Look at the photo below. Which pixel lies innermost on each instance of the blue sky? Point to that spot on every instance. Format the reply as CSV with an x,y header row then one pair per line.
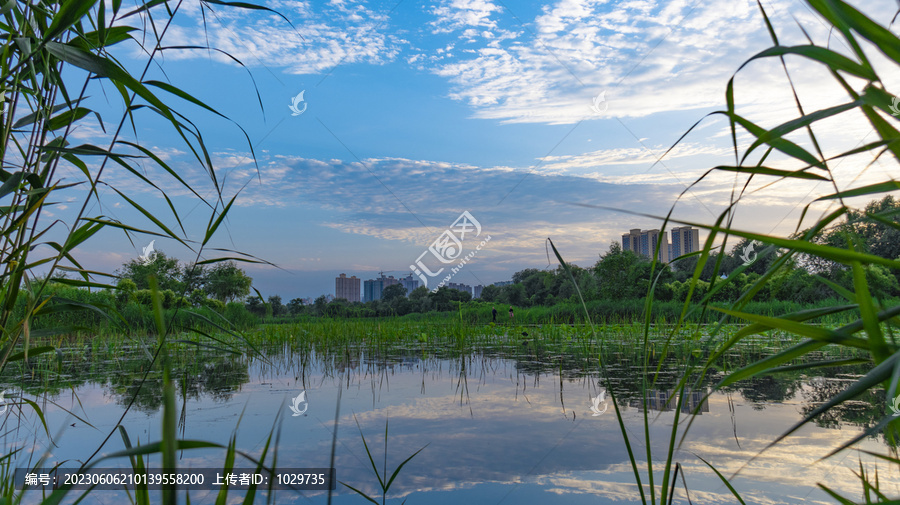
x,y
420,110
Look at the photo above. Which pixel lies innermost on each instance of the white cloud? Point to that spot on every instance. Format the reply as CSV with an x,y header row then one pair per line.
x,y
455,14
324,36
650,57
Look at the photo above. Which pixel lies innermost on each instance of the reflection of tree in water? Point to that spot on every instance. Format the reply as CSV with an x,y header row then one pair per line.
x,y
768,388
147,396
215,376
863,411
56,372
219,379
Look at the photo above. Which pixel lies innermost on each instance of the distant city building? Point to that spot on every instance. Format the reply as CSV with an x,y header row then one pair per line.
x,y
373,288
685,239
631,241
476,291
461,287
644,243
502,283
409,283
346,287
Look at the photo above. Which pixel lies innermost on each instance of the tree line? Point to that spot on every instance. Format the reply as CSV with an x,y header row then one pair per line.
x,y
618,278
624,275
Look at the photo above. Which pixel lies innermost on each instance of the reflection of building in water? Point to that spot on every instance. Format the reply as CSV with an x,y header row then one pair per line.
x,y
665,400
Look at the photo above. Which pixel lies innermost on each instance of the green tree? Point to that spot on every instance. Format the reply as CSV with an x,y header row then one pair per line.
x,y
446,299
193,277
255,306
617,273
420,300
392,292
166,269
276,305
537,284
514,294
563,289
198,297
295,306
491,293
226,282
125,290
339,307
319,305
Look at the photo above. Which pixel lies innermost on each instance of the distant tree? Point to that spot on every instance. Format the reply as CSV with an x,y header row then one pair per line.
x,y
460,296
522,275
320,304
880,280
295,306
339,307
125,289
167,272
880,238
276,305
444,298
168,298
193,277
874,230
393,291
226,282
563,289
219,306
255,306
762,257
198,296
617,273
403,306
514,294
419,293
420,300
538,287
491,293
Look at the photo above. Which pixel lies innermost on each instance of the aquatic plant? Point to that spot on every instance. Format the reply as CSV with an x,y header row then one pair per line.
x,y
54,55
873,319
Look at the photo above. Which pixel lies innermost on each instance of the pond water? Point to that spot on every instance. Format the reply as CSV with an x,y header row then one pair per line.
x,y
497,427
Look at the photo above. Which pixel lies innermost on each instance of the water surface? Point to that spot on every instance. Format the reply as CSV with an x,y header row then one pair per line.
x,y
498,426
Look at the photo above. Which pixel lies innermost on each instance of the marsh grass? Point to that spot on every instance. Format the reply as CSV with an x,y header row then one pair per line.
x,y
383,481
53,51
55,55
873,322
